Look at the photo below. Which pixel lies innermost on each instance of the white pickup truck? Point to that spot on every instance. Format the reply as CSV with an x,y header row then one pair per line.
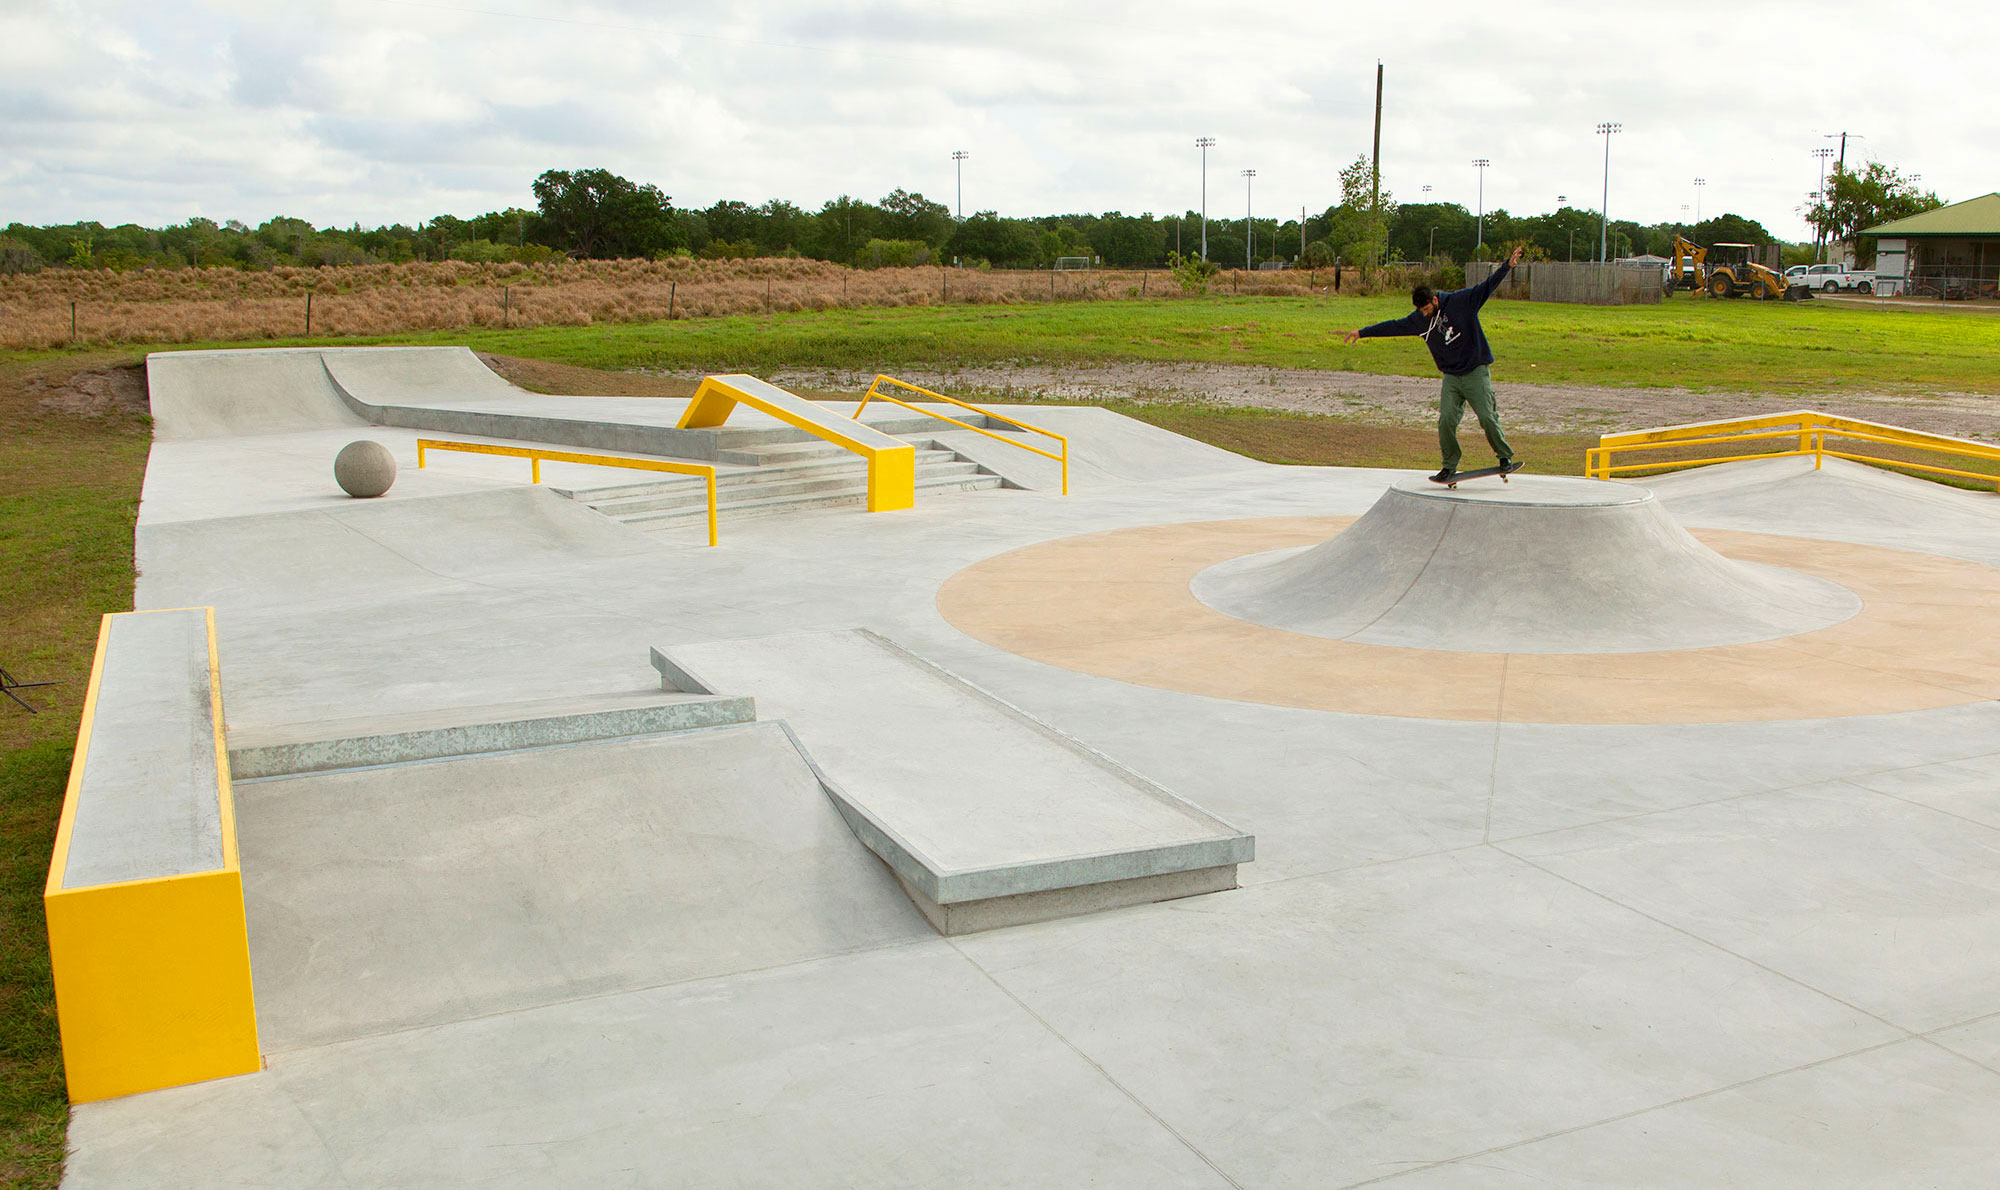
x,y
1830,278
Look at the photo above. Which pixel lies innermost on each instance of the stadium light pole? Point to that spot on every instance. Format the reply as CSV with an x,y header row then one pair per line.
x,y
1480,164
1249,227
1819,232
1698,184
1607,131
1204,143
958,157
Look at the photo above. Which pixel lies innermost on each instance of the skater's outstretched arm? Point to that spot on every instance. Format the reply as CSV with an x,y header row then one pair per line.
x,y
1416,322
1480,292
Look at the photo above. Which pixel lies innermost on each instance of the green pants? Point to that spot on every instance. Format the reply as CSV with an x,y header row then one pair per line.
x,y
1475,388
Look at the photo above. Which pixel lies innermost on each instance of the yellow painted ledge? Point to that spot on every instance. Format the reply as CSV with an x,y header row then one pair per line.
x,y
152,976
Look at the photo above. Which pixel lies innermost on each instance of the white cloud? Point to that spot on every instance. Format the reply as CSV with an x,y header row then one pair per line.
x,y
377,110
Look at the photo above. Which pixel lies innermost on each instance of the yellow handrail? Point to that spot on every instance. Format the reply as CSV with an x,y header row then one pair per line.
x,y
537,456
1809,427
880,380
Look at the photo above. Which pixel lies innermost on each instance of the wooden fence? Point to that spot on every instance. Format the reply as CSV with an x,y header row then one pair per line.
x,y
1582,284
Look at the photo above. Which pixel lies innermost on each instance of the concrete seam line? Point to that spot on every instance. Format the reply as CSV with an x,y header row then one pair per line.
x,y
1493,771
607,994
1717,946
1106,1075
1640,1111
1930,1040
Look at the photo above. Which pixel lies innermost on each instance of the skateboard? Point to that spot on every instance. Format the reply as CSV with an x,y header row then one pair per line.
x,y
1482,473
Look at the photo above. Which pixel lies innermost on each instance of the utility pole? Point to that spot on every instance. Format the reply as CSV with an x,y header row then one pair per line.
x,y
1249,228
1204,143
1482,163
958,157
1302,233
1607,131
1375,161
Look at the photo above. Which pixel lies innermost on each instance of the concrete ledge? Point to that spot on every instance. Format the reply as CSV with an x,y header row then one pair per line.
x,y
998,813
147,936
465,731
992,913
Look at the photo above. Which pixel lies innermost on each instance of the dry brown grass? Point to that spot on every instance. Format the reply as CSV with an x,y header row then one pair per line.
x,y
157,306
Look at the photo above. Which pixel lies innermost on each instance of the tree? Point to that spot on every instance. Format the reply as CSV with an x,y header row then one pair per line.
x,y
1729,229
841,227
1853,201
986,236
1411,238
1361,223
907,216
594,212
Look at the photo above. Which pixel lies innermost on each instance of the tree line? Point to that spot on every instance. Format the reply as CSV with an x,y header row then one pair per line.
x,y
594,213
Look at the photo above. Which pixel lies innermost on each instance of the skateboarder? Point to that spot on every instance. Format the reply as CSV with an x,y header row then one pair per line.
x,y
1449,324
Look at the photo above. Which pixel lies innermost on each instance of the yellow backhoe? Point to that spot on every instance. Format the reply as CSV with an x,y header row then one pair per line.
x,y
1732,274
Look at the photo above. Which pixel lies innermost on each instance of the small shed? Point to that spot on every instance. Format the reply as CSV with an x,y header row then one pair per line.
x,y
1953,251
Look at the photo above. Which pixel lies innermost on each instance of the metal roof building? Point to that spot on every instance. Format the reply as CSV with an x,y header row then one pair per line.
x,y
1953,251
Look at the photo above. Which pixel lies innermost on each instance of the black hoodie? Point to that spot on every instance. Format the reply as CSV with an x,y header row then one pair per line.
x,y
1453,334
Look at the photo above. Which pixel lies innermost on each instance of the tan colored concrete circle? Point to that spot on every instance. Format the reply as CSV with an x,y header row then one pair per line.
x,y
1117,605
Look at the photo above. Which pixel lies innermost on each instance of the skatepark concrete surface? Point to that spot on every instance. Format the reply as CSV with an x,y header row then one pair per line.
x,y
1572,908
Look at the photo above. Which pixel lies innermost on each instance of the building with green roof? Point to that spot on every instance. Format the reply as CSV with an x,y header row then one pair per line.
x,y
1953,251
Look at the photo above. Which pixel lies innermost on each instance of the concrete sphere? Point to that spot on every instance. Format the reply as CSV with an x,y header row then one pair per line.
x,y
364,468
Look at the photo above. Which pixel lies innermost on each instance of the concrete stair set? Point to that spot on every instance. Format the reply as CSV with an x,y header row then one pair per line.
x,y
778,476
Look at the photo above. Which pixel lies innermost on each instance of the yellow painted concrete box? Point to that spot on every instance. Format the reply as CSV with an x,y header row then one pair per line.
x,y
144,900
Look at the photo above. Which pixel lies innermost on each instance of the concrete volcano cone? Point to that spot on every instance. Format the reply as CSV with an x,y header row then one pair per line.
x,y
1539,565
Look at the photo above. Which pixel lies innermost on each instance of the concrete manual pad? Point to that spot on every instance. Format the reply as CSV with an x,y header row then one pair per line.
x,y
967,798
820,1074
415,894
1331,1030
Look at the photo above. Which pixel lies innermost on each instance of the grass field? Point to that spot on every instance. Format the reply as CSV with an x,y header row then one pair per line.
x,y
1687,342
69,492
71,467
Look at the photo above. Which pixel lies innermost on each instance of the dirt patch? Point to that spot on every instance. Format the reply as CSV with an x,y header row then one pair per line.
x,y
94,392
1412,400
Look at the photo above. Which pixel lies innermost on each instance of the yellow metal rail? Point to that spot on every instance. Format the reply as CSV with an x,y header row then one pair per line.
x,y
874,391
892,462
537,456
1806,431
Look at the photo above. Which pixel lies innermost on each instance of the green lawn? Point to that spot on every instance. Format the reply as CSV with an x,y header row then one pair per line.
x,y
69,493
1698,343
1692,342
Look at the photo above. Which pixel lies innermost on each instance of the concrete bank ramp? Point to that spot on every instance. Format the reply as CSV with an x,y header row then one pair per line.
x,y
988,816
1842,500
415,375
226,394
1539,565
414,894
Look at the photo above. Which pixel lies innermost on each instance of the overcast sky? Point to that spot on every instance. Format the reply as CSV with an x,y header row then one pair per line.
x,y
379,111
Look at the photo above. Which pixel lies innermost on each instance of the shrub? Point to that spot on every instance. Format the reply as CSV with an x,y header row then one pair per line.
x,y
894,254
